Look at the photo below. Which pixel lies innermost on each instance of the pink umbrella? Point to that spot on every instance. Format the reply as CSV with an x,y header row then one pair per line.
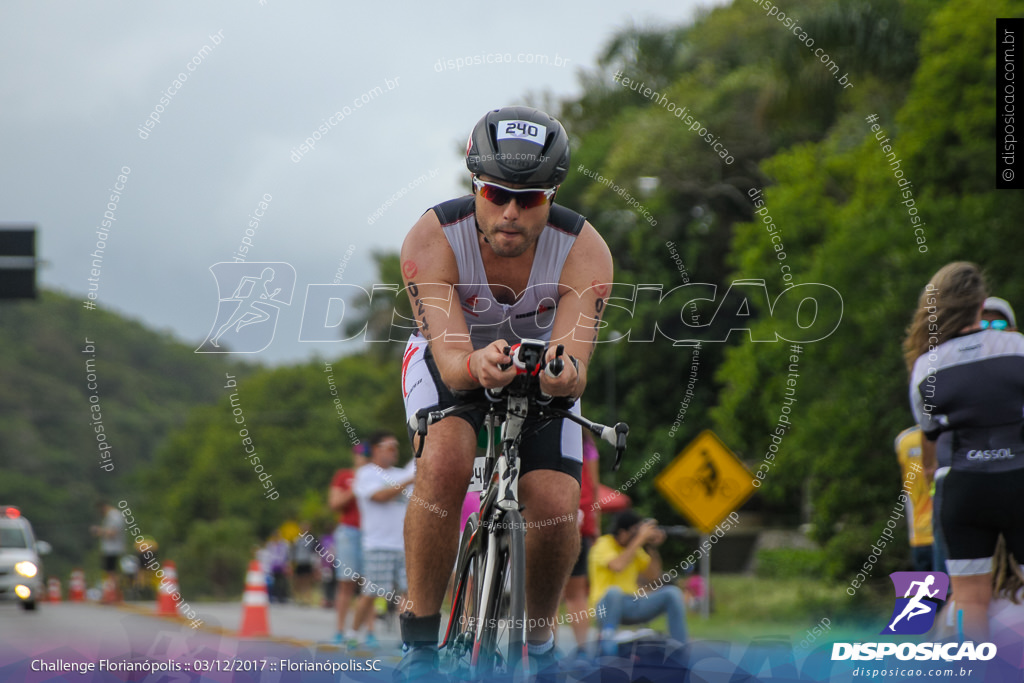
x,y
611,500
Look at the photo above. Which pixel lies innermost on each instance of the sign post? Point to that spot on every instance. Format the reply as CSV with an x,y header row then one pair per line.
x,y
17,261
705,482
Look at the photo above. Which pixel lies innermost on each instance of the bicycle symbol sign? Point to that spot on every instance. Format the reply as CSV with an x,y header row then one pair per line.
x,y
705,482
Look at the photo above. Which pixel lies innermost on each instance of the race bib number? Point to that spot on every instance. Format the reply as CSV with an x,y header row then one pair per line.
x,y
477,483
522,130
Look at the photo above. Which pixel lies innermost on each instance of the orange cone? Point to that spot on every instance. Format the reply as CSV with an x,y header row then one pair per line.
x,y
76,587
110,592
254,603
53,589
166,605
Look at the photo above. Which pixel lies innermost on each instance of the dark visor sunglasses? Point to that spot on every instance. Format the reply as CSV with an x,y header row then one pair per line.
x,y
501,195
994,324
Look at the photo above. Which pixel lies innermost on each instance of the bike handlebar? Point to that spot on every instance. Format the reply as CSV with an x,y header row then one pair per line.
x,y
528,357
614,435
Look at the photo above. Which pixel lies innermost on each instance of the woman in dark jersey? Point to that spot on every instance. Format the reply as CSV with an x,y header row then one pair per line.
x,y
967,393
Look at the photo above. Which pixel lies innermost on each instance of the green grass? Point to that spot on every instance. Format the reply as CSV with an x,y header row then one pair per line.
x,y
746,607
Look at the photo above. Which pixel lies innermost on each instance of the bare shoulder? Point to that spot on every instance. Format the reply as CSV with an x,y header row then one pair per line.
x,y
426,251
589,260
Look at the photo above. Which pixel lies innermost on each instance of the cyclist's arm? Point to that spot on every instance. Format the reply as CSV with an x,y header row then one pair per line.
x,y
586,281
430,272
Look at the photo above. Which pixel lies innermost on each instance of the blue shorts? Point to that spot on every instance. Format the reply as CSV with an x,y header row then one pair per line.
x,y
348,548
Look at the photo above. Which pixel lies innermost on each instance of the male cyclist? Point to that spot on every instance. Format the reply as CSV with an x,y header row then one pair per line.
x,y
483,271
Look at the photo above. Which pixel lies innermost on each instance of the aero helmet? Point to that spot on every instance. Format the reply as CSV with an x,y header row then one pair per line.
x,y
519,145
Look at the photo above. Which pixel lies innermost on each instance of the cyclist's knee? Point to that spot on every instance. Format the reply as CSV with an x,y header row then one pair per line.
x,y
551,498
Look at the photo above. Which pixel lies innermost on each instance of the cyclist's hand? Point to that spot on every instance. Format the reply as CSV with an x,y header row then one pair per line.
x,y
483,364
566,382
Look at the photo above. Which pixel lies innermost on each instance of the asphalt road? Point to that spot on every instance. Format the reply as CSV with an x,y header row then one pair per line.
x,y
72,634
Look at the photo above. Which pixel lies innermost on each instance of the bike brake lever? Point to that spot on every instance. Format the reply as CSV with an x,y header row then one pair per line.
x,y
421,429
555,367
505,366
621,430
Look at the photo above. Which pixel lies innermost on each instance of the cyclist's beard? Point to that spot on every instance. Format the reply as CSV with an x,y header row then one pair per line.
x,y
509,240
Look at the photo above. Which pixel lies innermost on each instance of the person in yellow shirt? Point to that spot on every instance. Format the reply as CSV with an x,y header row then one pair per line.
x,y
617,562
908,451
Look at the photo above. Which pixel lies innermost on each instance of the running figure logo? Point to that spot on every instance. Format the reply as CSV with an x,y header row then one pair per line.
x,y
247,318
915,612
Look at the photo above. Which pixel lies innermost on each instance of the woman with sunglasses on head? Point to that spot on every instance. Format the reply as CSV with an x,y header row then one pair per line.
x,y
482,272
998,315
967,393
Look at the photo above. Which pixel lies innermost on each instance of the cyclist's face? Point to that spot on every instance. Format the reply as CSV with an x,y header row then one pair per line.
x,y
509,229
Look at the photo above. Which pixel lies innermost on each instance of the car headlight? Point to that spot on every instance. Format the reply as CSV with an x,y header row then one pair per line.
x,y
26,569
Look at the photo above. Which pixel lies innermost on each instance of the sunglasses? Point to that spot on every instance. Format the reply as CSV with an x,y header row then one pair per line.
x,y
994,324
501,195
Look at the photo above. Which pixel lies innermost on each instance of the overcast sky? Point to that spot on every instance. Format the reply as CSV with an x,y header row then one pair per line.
x,y
80,80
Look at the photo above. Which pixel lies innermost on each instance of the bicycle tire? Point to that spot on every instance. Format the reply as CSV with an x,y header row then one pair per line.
x,y
503,638
460,637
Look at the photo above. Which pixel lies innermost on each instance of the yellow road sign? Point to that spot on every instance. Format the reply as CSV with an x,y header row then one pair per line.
x,y
705,482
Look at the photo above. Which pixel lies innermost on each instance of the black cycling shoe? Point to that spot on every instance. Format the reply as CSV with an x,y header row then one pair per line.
x,y
419,663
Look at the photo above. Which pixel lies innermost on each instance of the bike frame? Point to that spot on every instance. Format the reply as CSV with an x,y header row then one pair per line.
x,y
500,494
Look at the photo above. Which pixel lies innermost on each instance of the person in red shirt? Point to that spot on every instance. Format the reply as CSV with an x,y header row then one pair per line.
x,y
348,548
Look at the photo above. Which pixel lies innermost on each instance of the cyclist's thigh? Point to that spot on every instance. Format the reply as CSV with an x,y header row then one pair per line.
x,y
447,460
557,445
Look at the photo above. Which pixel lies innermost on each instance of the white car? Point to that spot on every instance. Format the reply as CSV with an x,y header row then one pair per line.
x,y
21,571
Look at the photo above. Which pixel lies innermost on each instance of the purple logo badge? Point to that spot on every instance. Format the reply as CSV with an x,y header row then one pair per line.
x,y
917,601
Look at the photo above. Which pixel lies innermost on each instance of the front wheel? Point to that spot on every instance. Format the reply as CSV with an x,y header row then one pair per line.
x,y
503,637
457,646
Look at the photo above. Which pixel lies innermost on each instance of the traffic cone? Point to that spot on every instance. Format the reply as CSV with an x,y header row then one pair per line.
x,y
110,593
254,603
76,587
53,589
166,606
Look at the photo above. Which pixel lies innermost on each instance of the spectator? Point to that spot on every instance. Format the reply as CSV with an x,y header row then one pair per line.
x,y
919,518
617,561
262,555
575,593
348,548
302,560
999,315
278,558
379,488
328,582
967,393
112,546
695,591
